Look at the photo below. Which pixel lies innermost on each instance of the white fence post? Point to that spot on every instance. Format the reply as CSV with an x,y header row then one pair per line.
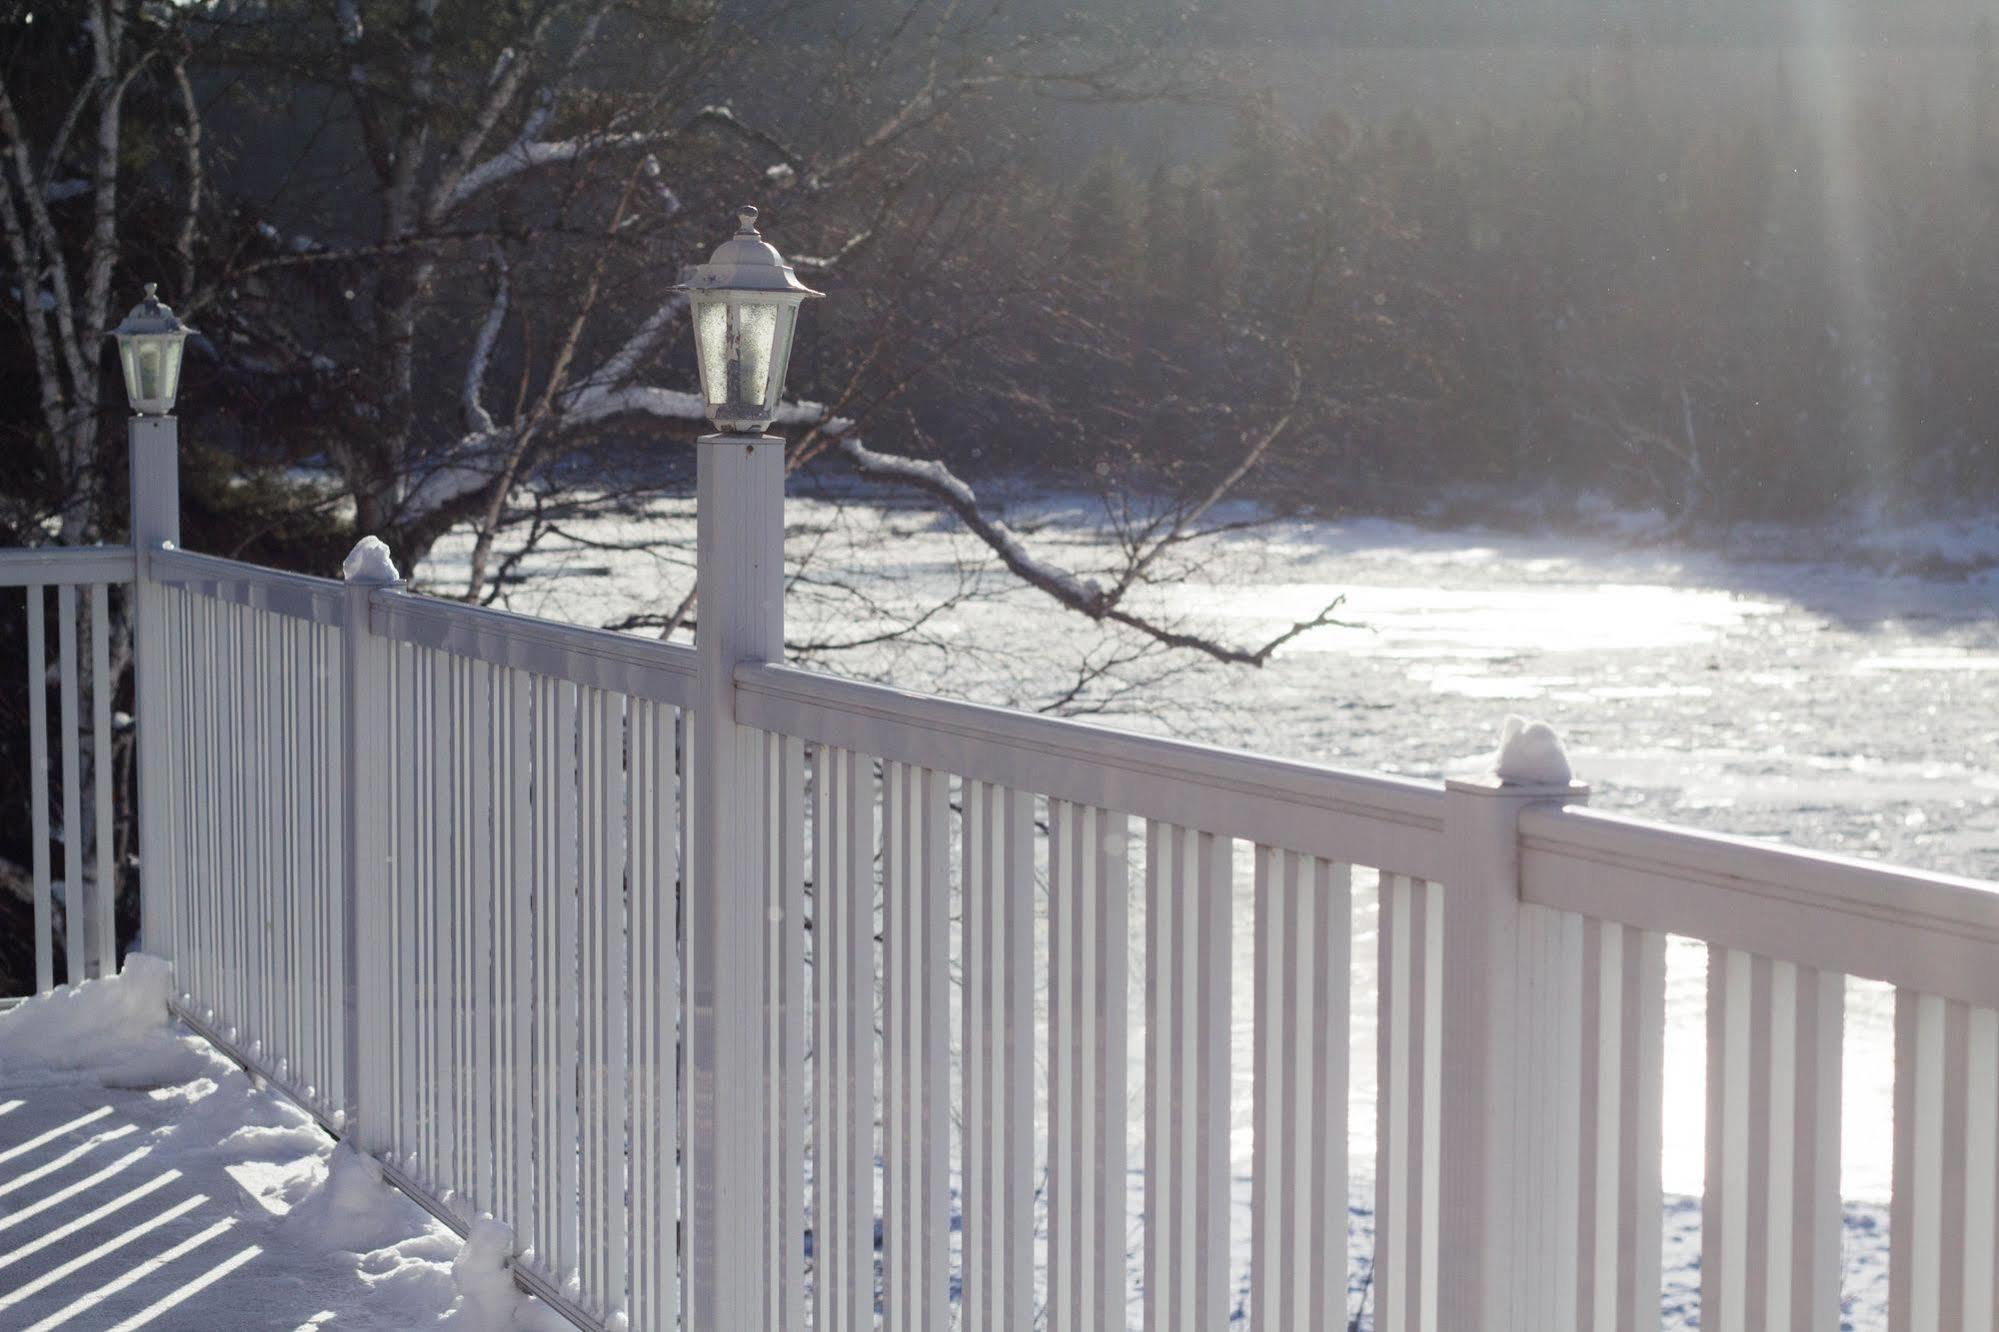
x,y
1510,1068
731,1195
365,851
154,472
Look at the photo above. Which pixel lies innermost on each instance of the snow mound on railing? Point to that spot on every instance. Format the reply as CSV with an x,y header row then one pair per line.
x,y
1530,754
369,562
114,1028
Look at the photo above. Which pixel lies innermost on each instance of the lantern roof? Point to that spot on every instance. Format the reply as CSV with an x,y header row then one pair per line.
x,y
151,316
744,262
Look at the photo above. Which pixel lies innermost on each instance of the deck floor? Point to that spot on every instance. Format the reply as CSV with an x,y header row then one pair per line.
x,y
148,1182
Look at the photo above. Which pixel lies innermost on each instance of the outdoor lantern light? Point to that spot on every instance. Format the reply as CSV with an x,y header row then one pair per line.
x,y
149,347
745,301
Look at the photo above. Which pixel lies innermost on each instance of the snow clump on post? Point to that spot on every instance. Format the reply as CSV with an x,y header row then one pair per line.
x,y
1530,754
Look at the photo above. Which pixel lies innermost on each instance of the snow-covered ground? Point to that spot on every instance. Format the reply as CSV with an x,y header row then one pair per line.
x,y
146,1182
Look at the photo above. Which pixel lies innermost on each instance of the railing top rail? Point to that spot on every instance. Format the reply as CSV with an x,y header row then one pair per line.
x,y
45,566
598,658
1386,822
297,595
1936,933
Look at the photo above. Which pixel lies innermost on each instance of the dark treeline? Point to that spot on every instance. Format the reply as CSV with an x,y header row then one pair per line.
x,y
1763,287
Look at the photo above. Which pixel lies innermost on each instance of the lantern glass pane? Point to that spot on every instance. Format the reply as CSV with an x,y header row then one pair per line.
x,y
170,368
149,370
711,345
787,324
128,357
758,335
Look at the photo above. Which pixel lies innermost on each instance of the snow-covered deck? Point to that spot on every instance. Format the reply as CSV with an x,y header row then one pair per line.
x,y
148,1182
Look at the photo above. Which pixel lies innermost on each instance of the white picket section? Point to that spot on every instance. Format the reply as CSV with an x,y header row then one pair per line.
x,y
1770,1221
1188,917
38,785
254,673
1942,1228
916,1087
89,857
1304,951
529,995
1619,1128
998,1052
843,1101
1088,943
1408,1104
783,1029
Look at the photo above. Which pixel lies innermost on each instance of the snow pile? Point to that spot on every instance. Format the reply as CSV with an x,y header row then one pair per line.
x,y
1530,754
369,562
327,1238
114,1031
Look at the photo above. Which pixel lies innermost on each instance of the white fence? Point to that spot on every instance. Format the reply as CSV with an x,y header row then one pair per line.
x,y
83,583
941,1028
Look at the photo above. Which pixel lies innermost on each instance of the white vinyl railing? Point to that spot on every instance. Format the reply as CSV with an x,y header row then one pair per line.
x,y
83,579
1040,1024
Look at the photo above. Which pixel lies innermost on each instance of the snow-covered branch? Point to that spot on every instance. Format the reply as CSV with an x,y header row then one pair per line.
x,y
477,418
525,155
1086,596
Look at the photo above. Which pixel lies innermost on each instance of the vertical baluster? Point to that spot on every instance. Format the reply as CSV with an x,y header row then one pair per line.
x,y
411,769
933,935
915,891
216,775
1623,1051
328,793
1981,1171
1304,910
999,1057
235,831
1410,1039
1770,1218
1089,949
516,1002
320,939
655,1009
247,914
75,916
547,978
483,905
783,1029
640,968
455,1028
1941,1269
299,846
100,731
612,992
198,898
38,784
440,813
1188,924
263,812
844,1100
173,699
298,938
897,1010
568,898
590,889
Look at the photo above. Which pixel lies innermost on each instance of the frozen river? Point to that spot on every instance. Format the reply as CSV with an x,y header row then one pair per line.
x,y
1819,703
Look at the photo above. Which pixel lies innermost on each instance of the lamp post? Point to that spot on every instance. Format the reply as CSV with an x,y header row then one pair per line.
x,y
743,1214
150,342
